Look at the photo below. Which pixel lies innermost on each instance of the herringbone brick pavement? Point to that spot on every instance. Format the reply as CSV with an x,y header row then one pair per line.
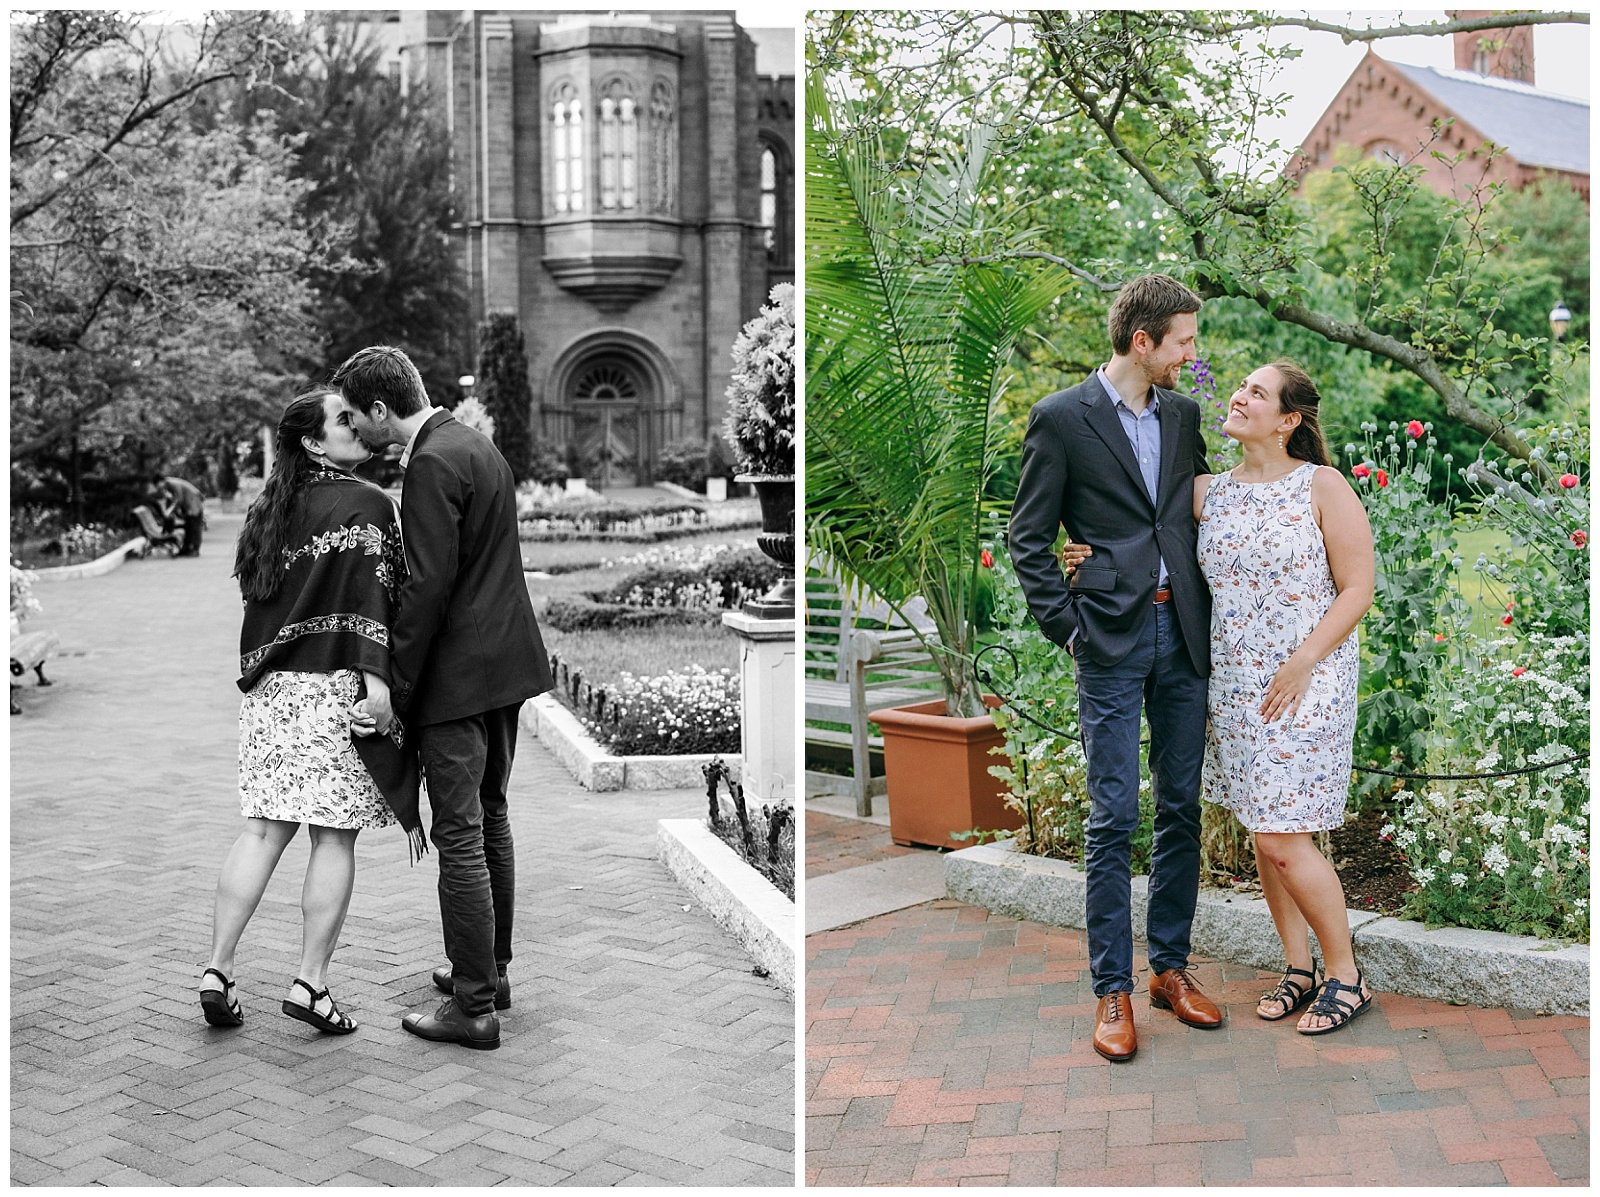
x,y
834,844
947,1045
640,1048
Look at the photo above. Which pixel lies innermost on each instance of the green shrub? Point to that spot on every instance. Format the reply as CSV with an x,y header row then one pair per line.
x,y
683,462
586,615
503,383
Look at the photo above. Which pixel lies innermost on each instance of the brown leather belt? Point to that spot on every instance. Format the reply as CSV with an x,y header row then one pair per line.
x,y
1164,595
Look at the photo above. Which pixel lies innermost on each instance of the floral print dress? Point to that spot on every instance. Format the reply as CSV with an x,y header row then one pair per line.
x,y
1264,558
296,761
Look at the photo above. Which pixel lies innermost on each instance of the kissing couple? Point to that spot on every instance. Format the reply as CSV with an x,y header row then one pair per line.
x,y
1222,606
382,653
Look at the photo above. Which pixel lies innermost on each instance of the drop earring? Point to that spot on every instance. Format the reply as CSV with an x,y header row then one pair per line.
x,y
1280,442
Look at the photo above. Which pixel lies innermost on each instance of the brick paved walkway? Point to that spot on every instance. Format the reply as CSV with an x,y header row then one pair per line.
x,y
834,844
946,1045
641,1050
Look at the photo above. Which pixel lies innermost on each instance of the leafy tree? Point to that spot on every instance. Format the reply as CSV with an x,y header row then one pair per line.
x,y
159,266
1176,97
376,164
503,384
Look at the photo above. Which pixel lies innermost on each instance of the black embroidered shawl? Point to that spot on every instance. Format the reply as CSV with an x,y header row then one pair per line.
x,y
333,608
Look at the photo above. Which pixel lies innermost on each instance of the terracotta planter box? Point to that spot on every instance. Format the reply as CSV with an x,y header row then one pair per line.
x,y
938,774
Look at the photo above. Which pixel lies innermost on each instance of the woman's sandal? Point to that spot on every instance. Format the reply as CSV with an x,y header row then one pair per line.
x,y
1290,994
1330,1005
337,1022
219,1006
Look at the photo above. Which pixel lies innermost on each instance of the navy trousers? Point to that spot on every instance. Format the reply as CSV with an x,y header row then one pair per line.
x,y
1158,675
468,767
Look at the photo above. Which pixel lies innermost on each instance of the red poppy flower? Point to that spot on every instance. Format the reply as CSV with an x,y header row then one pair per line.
x,y
1580,538
1383,478
1520,669
987,559
1506,620
1414,429
1569,480
1437,637
1361,471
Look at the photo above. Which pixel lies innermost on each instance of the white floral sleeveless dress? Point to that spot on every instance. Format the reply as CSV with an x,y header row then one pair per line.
x,y
1264,558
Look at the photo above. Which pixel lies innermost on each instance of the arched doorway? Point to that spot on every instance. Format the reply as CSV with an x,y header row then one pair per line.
x,y
609,425
612,399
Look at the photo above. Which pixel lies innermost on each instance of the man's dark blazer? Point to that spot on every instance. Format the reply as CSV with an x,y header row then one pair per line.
x,y
464,640
1079,470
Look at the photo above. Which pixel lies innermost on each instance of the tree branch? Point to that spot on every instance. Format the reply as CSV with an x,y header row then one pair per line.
x,y
1505,20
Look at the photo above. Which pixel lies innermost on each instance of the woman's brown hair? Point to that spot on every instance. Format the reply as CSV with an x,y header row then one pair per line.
x,y
1297,395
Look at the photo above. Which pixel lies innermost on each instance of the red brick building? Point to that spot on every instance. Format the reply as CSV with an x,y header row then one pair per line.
x,y
626,185
1389,110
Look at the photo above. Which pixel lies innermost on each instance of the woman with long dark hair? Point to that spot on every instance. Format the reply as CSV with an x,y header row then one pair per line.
x,y
319,562
1286,549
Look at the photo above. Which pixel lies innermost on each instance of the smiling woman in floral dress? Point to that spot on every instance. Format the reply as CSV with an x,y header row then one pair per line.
x,y
319,563
1286,549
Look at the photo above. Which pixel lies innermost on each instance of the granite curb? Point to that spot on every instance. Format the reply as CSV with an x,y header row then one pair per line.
x,y
596,769
1451,964
102,564
741,900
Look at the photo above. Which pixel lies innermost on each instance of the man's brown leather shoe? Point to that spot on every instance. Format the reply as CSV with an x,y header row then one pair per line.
x,y
1114,1036
1176,990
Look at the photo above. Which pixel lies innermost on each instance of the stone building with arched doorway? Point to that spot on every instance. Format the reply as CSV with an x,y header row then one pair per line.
x,y
625,186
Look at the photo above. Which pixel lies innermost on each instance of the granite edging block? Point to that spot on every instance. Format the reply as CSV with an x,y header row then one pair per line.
x,y
1487,968
746,904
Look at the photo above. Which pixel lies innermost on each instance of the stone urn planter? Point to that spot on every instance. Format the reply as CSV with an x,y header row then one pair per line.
x,y
937,768
776,540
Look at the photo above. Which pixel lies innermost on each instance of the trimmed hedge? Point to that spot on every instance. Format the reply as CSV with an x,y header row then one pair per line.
x,y
586,615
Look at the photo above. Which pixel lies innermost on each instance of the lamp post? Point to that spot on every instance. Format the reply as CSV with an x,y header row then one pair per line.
x,y
1560,318
466,382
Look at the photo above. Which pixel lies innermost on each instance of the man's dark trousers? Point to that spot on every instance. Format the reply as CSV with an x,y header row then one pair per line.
x,y
467,763
1160,674
192,526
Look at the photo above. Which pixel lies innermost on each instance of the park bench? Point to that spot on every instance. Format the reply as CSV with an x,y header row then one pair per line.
x,y
28,651
853,669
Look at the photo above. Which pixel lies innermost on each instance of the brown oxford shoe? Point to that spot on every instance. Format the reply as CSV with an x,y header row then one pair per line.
x,y
1176,990
1114,1036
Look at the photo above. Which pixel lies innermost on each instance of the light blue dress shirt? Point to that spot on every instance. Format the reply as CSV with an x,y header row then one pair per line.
x,y
1144,435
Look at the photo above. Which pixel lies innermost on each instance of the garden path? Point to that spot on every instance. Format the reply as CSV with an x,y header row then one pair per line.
x,y
949,1045
640,1050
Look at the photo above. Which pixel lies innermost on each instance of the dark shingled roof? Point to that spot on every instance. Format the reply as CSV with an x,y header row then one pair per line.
x,y
1538,127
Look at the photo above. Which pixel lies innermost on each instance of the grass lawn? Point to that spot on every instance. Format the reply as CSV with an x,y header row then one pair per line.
x,y
644,652
1498,547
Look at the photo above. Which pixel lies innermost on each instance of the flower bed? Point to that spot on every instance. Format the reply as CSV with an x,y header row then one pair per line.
x,y
1484,846
546,513
77,545
694,710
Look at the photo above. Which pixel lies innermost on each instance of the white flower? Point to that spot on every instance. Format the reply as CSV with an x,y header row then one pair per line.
x,y
1445,855
1538,870
1458,879
1424,875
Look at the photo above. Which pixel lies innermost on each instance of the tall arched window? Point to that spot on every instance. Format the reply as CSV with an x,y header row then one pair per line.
x,y
619,149
769,197
566,149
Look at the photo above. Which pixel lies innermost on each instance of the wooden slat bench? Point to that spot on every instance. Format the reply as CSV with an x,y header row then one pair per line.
x,y
28,651
851,670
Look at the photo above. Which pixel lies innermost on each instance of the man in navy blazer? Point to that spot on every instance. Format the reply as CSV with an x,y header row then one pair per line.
x,y
1113,460
465,653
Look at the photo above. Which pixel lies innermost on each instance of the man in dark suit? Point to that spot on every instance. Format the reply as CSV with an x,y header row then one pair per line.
x,y
1113,460
465,652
